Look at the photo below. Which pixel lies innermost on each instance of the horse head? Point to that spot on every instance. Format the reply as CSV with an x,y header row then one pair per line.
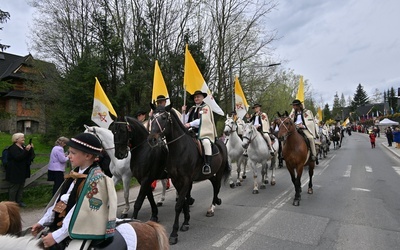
x,y
286,126
230,125
104,135
249,133
120,130
160,124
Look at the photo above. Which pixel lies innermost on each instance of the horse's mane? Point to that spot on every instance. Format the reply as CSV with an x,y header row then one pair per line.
x,y
137,124
11,210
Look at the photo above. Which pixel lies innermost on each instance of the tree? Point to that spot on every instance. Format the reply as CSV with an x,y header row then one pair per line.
x,y
326,112
4,16
360,97
376,96
392,100
342,101
337,108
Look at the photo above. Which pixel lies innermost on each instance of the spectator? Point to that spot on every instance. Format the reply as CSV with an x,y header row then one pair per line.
x,y
396,137
372,137
20,157
57,163
389,136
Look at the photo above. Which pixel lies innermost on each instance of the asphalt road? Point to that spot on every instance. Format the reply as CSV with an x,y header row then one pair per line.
x,y
355,205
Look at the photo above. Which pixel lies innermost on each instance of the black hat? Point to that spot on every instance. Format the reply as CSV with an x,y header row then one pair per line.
x,y
140,112
161,98
198,92
296,102
256,105
86,142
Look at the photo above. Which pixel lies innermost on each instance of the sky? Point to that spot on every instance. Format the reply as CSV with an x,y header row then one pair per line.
x,y
334,44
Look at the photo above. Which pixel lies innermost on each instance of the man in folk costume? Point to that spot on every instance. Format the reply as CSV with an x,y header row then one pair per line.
x,y
85,205
239,122
304,120
200,117
261,122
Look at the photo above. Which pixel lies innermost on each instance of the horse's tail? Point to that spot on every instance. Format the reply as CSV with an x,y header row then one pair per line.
x,y
162,237
14,217
227,167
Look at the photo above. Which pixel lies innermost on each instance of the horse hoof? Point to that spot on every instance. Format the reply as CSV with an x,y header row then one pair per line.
x,y
173,240
190,201
310,191
262,186
184,228
154,218
273,183
209,214
296,203
218,202
238,184
243,177
124,216
159,204
265,181
232,185
255,191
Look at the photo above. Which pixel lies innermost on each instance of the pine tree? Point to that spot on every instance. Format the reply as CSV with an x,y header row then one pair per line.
x,y
360,97
326,112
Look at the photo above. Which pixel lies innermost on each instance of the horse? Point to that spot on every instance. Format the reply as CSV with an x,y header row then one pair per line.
x,y
336,138
149,235
235,150
259,152
323,148
120,168
184,162
295,153
147,163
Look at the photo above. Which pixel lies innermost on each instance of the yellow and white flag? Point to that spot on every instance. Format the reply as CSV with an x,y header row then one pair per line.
x,y
193,80
346,122
319,114
300,91
101,107
159,87
241,105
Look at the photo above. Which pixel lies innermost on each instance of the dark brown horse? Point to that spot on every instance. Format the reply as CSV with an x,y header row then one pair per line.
x,y
295,153
184,163
149,235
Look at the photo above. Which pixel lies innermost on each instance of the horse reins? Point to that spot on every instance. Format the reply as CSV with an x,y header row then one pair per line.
x,y
286,135
163,129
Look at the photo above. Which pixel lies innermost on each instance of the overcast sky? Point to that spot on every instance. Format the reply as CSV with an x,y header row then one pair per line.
x,y
334,44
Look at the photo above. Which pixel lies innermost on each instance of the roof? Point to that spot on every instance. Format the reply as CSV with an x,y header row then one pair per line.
x,y
9,65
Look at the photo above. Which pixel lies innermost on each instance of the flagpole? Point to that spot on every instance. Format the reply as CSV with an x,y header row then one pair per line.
x,y
184,104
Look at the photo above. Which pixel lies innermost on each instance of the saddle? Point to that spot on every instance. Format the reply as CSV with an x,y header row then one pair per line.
x,y
301,132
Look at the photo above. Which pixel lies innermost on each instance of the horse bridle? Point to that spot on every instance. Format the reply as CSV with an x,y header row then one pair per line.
x,y
169,119
250,139
286,135
231,127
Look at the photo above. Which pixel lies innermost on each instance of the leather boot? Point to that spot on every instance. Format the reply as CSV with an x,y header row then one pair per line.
x,y
207,165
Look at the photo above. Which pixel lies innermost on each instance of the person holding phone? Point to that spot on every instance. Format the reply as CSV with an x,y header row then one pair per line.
x,y
20,157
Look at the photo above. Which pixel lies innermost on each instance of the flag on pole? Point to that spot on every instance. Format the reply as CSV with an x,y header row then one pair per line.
x,y
300,91
319,113
101,107
241,104
346,122
193,80
159,87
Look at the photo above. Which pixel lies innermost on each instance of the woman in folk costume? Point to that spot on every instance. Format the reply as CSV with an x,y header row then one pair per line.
x,y
304,120
85,205
200,117
261,122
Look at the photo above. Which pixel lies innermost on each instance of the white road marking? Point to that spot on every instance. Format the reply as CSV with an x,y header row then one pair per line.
x,y
368,169
397,169
360,189
348,171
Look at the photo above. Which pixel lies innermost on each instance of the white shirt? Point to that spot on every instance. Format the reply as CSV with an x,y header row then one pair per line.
x,y
61,233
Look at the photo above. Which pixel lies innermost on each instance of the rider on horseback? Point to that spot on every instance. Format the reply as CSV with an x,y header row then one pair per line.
x,y
201,119
261,122
239,122
304,120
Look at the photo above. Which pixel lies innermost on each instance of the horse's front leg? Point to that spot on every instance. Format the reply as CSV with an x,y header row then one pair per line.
x,y
154,208
273,164
216,183
255,175
164,189
144,189
264,175
126,180
310,174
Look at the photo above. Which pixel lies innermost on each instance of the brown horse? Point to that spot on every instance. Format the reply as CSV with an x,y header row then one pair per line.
x,y
149,235
295,153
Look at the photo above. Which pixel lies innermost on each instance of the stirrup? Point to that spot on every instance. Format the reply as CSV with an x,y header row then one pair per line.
x,y
206,169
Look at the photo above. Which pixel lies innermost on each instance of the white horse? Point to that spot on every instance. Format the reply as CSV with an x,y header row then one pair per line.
x,y
258,152
120,169
235,150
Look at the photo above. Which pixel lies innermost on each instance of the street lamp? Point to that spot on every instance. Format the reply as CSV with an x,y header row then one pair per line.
x,y
249,66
